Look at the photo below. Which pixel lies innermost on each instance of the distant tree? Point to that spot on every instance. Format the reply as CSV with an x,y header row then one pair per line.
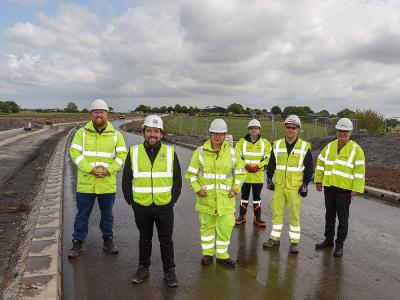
x,y
324,113
345,113
295,110
170,108
258,112
392,123
276,110
308,109
163,109
370,120
248,111
235,108
85,110
185,110
143,108
178,108
110,109
9,107
71,108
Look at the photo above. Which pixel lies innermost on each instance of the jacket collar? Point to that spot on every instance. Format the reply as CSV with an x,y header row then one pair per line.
x,y
248,138
207,145
90,127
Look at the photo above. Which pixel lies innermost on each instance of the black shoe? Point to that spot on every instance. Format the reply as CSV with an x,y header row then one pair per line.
x,y
170,278
141,274
259,222
338,252
227,262
324,244
294,248
206,260
77,247
109,246
271,243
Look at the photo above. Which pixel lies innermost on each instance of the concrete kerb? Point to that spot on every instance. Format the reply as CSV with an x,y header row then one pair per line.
x,y
42,277
369,191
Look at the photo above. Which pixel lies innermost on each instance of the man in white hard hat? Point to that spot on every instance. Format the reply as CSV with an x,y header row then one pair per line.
x,y
289,172
341,171
152,184
216,173
99,151
255,151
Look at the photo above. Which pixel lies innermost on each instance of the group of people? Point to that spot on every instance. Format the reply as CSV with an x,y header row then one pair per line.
x,y
217,173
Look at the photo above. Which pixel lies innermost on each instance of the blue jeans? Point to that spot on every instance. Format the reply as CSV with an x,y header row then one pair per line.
x,y
84,203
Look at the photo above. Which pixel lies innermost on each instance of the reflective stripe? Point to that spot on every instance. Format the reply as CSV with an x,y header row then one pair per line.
x,y
344,163
290,169
342,174
77,147
244,201
359,162
207,238
193,178
98,154
78,159
294,235
238,182
249,161
138,174
100,163
193,170
302,154
222,250
275,233
239,171
119,161
292,228
257,202
277,226
217,187
222,243
207,246
215,176
201,154
233,157
120,149
279,167
153,175
328,173
356,175
261,153
154,190
320,168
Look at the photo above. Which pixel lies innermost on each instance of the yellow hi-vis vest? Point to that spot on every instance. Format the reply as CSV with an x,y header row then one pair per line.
x,y
255,154
217,174
152,183
289,168
90,149
345,170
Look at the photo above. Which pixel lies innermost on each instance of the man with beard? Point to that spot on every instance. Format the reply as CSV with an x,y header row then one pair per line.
x,y
151,184
99,151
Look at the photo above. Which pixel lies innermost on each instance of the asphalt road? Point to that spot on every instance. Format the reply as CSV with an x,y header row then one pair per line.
x,y
369,269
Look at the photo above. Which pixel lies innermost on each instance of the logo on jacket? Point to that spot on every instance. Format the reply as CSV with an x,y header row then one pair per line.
x,y
162,156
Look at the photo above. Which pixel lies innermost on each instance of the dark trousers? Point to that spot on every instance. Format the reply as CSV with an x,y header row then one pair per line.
x,y
84,204
246,187
337,203
163,217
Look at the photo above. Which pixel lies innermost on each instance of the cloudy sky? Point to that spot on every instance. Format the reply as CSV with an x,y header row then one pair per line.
x,y
325,54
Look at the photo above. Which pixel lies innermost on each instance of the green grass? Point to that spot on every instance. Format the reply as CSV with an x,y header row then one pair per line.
x,y
237,126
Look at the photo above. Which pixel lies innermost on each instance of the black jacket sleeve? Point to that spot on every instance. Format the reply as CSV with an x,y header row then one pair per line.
x,y
177,180
127,177
271,166
308,168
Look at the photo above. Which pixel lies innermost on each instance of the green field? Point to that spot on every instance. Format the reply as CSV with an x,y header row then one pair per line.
x,y
237,126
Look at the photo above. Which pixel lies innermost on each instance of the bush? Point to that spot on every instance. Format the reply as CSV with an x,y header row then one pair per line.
x,y
370,120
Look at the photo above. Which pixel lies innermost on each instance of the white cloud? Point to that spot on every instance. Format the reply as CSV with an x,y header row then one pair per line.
x,y
330,54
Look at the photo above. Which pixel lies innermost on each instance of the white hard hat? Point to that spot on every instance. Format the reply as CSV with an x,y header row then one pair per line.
x,y
218,126
344,124
153,121
293,119
99,104
254,123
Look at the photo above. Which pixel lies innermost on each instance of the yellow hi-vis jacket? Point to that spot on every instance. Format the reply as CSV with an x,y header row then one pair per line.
x,y
345,170
90,149
255,154
289,168
152,183
217,174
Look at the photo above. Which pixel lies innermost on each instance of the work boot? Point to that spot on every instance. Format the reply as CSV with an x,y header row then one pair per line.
x,y
242,214
257,216
141,274
227,262
206,260
294,248
77,247
271,243
324,244
108,245
170,278
259,222
338,252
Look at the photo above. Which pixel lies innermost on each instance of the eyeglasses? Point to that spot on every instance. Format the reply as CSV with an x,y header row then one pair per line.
x,y
343,131
290,128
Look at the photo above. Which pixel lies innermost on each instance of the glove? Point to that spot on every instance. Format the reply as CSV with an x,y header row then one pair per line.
x,y
248,168
270,184
303,190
